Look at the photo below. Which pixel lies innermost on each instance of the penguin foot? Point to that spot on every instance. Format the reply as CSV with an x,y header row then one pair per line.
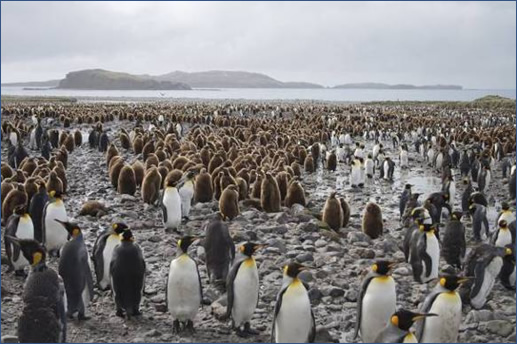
x,y
120,313
189,327
20,273
83,317
241,333
176,327
249,330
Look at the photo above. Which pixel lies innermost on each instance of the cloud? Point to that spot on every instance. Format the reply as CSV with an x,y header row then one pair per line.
x,y
467,43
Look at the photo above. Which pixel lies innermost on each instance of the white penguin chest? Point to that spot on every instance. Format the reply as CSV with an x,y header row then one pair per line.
x,y
25,228
379,303
55,234
491,272
172,203
245,290
504,237
183,289
444,327
111,242
294,322
433,250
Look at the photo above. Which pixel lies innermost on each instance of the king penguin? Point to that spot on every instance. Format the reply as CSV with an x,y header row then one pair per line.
x,y
103,252
377,301
505,214
293,320
507,275
404,198
19,225
171,206
127,271
184,291
219,250
242,288
444,301
43,316
36,208
479,220
398,328
355,174
425,254
502,236
54,235
484,262
454,244
187,194
74,268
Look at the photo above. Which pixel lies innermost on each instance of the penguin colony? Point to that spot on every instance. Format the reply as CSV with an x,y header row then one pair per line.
x,y
177,159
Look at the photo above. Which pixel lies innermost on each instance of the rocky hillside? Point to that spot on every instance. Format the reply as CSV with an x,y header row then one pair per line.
x,y
99,79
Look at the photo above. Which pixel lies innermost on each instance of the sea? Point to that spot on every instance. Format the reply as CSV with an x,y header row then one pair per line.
x,y
326,94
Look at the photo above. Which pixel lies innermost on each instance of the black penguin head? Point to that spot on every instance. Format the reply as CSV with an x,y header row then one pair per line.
x,y
369,155
32,250
408,186
404,319
382,267
71,227
503,224
185,242
190,175
505,206
127,235
119,227
55,194
250,248
452,282
456,215
19,209
293,269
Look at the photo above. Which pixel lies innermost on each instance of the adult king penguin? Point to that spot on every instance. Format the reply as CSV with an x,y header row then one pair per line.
x,y
19,225
398,328
103,253
377,301
187,194
184,292
127,270
54,235
74,268
293,320
171,206
425,254
444,301
243,290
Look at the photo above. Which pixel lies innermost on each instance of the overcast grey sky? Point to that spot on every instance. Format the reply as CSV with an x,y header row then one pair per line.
x,y
467,43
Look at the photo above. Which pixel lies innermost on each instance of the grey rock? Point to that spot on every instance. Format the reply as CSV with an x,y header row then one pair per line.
x,y
500,327
336,292
305,257
351,295
356,237
308,227
320,243
152,333
315,294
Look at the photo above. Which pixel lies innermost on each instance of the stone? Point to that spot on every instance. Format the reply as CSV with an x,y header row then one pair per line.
x,y
351,295
305,257
500,327
320,243
308,227
336,292
152,333
315,294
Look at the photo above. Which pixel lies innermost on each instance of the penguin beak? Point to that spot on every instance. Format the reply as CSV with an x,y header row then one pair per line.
x,y
259,246
422,316
391,265
464,279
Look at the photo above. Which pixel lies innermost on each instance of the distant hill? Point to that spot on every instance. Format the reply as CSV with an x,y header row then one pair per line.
x,y
381,86
99,79
231,79
49,83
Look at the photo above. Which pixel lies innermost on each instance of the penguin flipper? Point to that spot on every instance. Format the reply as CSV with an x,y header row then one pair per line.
x,y
200,284
312,332
98,256
164,208
61,309
479,276
364,286
43,227
428,263
425,308
229,287
278,304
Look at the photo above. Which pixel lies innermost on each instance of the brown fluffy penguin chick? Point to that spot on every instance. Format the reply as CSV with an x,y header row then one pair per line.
x,y
7,171
6,186
270,194
297,170
93,208
14,198
78,138
346,211
282,179
126,181
203,191
54,183
152,160
229,202
115,171
139,169
309,164
331,161
138,145
295,194
372,220
28,166
124,141
151,185
60,171
243,188
111,152
69,143
30,187
333,213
